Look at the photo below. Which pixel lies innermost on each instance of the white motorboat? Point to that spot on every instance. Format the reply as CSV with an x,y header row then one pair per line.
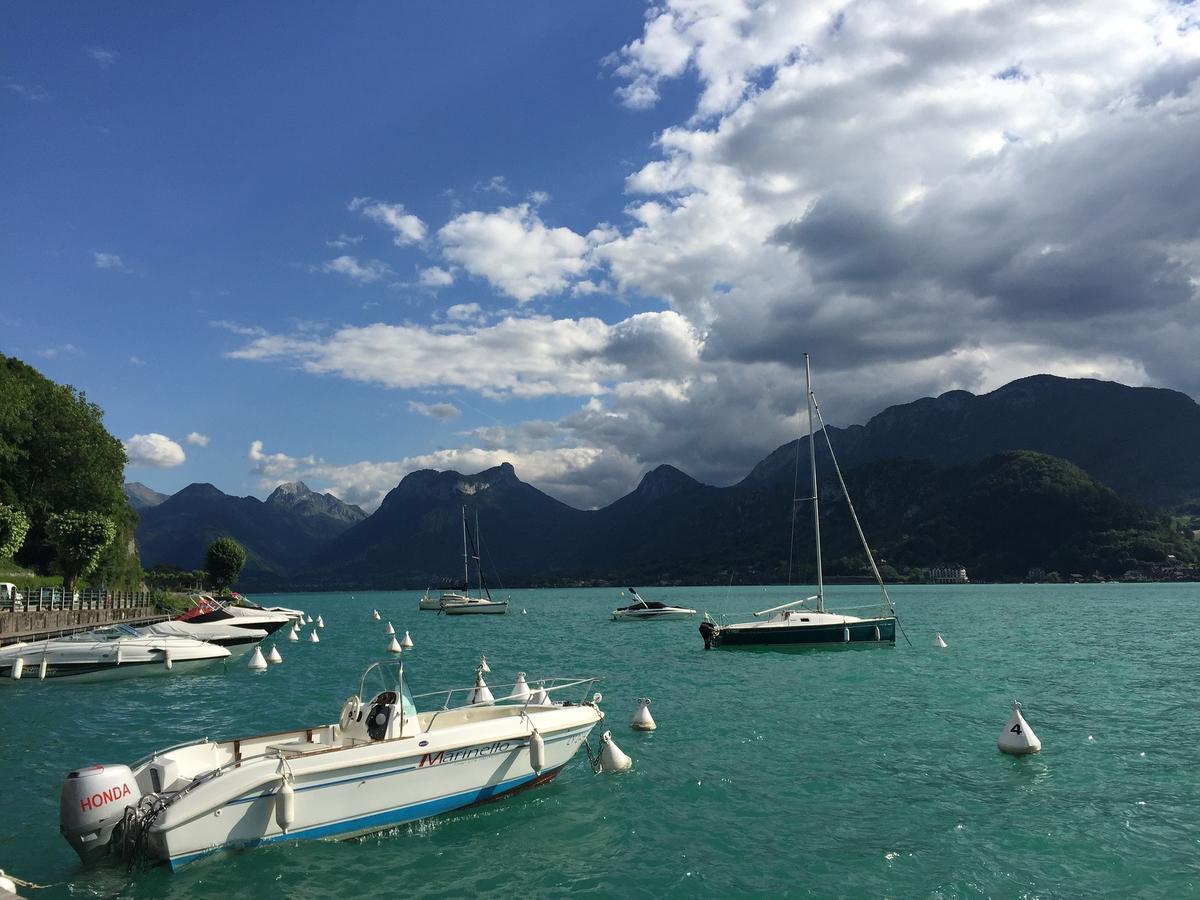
x,y
460,603
644,610
428,601
380,764
103,654
296,615
792,624
206,608
236,640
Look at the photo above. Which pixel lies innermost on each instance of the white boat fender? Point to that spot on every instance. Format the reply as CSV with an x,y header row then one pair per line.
x,y
407,643
320,622
611,757
938,640
1017,737
846,635
258,662
875,634
18,668
274,656
293,635
167,661
120,654
7,885
394,646
285,805
389,629
521,689
481,693
537,751
483,666
524,613
42,669
312,637
642,720
375,615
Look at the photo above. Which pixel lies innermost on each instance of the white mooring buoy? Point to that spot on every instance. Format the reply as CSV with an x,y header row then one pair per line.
x,y
167,660
258,662
312,637
307,620
293,635
375,615
521,689
394,646
320,622
524,613
481,693
483,666
274,656
389,629
642,720
407,643
540,697
938,640
1017,737
611,757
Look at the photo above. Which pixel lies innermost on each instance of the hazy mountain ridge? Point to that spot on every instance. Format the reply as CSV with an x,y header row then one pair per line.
x,y
953,470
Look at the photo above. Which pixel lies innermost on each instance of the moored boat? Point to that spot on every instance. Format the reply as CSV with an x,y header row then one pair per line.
x,y
107,653
206,608
185,802
793,624
644,610
236,640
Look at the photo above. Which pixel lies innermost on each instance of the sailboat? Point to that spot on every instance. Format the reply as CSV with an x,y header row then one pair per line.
x,y
463,604
796,623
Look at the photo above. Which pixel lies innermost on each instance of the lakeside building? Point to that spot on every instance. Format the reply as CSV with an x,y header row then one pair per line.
x,y
947,575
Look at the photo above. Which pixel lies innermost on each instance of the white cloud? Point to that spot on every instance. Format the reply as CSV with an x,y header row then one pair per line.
x,y
515,251
110,261
344,240
198,439
368,271
436,277
61,350
103,57
153,451
406,228
494,185
35,93
238,328
524,357
443,412
137,361
465,312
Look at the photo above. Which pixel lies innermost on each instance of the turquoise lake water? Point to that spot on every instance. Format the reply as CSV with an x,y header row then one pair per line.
x,y
862,772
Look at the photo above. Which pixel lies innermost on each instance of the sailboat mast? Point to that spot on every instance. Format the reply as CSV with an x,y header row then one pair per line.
x,y
466,569
812,465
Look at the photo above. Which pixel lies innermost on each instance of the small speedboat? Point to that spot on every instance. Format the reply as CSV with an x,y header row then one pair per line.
x,y
296,615
646,610
380,764
236,640
103,654
208,609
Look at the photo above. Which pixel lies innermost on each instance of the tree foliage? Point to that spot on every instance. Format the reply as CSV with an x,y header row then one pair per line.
x,y
225,560
79,538
56,457
14,525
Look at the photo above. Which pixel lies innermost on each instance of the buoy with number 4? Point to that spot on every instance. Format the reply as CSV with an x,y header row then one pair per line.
x,y
938,641
1017,737
642,720
611,757
258,662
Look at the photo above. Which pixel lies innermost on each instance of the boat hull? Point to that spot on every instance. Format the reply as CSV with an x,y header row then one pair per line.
x,y
91,671
621,615
862,631
476,609
372,797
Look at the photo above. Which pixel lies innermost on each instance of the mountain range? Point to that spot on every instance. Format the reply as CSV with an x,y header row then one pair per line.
x,y
1044,472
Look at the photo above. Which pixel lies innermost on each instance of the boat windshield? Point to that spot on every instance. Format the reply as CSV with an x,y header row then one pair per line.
x,y
107,633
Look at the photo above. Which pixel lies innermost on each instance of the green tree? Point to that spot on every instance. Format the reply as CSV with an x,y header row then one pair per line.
x,y
225,560
79,538
14,525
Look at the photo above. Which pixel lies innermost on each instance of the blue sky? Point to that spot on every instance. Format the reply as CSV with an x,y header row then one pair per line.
x,y
340,244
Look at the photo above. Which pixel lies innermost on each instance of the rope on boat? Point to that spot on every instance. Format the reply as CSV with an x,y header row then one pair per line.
x,y
901,627
21,882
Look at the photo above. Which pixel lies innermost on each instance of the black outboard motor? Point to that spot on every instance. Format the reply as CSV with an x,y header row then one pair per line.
x,y
708,631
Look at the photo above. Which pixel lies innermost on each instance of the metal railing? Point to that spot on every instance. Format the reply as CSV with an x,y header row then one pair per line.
x,y
53,598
